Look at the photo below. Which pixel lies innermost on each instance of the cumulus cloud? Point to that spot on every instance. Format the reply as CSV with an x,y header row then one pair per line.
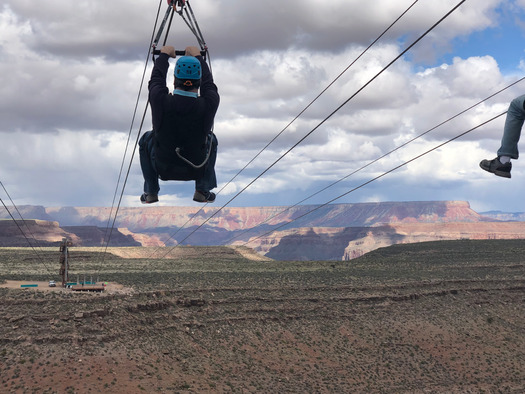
x,y
53,170
70,74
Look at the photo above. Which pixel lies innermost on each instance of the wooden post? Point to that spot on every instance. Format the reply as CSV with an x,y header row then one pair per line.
x,y
64,261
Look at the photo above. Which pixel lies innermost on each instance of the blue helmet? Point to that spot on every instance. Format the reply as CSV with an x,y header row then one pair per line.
x,y
188,67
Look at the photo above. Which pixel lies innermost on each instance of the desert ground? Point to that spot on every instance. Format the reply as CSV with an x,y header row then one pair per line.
x,y
436,317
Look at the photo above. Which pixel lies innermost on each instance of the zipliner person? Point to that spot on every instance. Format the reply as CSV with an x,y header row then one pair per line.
x,y
182,122
501,165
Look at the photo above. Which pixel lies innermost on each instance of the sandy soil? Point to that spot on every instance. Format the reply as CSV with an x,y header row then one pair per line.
x,y
422,318
111,288
169,252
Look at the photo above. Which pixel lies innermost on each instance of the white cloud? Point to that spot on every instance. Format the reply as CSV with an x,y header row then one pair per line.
x,y
62,168
69,83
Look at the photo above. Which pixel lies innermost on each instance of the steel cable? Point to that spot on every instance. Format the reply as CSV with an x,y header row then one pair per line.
x,y
325,119
377,159
196,214
25,236
378,177
108,235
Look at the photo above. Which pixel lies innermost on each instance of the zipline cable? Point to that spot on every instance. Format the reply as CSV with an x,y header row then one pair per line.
x,y
25,236
297,116
127,176
21,217
153,43
319,95
127,144
376,160
327,118
192,24
377,177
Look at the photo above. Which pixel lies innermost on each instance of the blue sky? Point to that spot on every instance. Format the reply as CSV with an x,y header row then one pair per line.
x,y
504,42
69,81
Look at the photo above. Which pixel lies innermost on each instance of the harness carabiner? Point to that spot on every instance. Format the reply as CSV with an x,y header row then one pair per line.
x,y
183,8
180,3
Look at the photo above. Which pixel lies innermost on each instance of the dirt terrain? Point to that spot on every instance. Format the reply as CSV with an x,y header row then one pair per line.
x,y
109,288
439,317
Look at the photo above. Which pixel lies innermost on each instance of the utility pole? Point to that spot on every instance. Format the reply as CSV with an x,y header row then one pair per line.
x,y
64,261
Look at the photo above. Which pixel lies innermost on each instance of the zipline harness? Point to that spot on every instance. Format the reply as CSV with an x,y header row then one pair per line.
x,y
186,13
183,8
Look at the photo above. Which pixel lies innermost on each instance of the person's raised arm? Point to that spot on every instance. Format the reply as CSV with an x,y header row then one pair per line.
x,y
208,89
157,84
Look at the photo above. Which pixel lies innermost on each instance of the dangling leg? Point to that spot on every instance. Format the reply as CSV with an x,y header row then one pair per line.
x,y
209,179
501,165
147,164
512,130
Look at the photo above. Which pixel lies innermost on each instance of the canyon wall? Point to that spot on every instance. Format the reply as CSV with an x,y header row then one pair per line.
x,y
304,232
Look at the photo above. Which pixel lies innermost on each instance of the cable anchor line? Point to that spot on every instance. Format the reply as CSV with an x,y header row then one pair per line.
x,y
22,231
327,118
192,24
300,113
377,159
155,38
171,7
378,177
109,230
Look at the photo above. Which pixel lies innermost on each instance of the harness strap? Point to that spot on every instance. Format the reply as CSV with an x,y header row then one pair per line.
x,y
210,145
187,15
192,24
162,25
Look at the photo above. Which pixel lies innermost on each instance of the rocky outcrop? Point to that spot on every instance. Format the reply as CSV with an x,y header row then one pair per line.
x,y
422,232
32,233
349,243
504,216
242,218
141,239
96,236
41,233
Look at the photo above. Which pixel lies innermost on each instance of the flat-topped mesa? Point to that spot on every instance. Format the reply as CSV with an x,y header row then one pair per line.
x,y
138,219
332,232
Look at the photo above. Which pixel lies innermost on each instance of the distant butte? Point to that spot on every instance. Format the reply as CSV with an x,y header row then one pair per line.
x,y
331,232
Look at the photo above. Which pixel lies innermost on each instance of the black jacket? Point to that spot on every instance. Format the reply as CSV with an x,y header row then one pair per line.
x,y
180,122
161,100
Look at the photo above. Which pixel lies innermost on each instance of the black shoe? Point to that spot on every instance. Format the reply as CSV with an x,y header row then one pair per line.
x,y
204,196
149,198
496,167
